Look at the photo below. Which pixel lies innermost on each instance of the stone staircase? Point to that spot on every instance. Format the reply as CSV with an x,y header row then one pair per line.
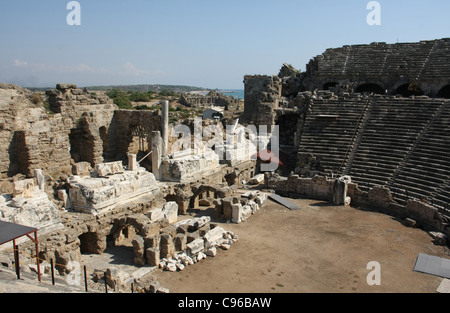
x,y
390,133
427,166
400,143
330,129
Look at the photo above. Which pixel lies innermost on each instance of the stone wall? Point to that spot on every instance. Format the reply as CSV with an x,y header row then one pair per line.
x,y
262,96
130,125
416,212
392,67
213,98
32,139
89,117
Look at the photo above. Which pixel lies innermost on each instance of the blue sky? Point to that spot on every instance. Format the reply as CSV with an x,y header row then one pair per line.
x,y
210,44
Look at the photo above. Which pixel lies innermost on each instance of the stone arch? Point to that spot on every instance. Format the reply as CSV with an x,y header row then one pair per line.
x,y
409,89
104,136
329,85
82,143
92,242
444,92
289,127
203,196
128,227
370,88
19,155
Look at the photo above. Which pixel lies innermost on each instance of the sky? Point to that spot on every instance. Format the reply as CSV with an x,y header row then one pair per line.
x,y
204,43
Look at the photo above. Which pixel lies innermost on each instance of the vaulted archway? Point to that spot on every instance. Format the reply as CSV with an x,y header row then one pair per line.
x,y
370,88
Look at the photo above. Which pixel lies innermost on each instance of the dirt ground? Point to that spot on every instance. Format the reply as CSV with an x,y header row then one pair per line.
x,y
320,248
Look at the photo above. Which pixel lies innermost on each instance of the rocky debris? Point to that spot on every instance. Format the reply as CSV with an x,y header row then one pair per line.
x,y
256,180
239,209
200,246
439,238
30,205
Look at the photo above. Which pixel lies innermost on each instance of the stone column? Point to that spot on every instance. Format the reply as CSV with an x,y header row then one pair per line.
x,y
165,128
340,189
156,154
132,163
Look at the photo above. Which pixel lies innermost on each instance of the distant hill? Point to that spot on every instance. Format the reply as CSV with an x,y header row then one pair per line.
x,y
156,88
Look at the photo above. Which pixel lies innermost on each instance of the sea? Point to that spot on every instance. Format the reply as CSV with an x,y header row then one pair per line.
x,y
236,93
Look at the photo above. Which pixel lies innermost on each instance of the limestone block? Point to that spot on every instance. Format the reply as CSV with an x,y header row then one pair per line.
x,y
106,169
261,199
227,208
180,242
167,247
170,210
256,180
212,237
254,206
196,246
246,212
62,195
211,252
82,169
237,213
40,178
138,251
24,188
152,241
156,214
153,256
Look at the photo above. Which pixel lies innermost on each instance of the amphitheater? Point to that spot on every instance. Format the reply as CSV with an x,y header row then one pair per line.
x,y
364,129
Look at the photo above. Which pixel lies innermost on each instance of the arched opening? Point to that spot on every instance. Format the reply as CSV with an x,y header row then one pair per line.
x,y
410,89
370,88
82,144
289,126
330,85
104,136
92,242
444,92
19,155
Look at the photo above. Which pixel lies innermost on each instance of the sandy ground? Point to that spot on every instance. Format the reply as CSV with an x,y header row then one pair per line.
x,y
320,248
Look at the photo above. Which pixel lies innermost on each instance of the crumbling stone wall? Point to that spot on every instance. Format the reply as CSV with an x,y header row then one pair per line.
x,y
213,98
89,117
417,68
262,96
126,122
32,139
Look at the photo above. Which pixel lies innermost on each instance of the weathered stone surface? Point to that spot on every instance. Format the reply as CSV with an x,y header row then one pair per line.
x,y
180,241
256,180
213,237
237,213
195,246
167,247
107,169
24,188
153,256
82,169
139,251
170,210
100,195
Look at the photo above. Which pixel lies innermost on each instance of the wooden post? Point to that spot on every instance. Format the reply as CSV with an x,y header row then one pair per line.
x,y
106,284
16,258
53,271
85,279
37,255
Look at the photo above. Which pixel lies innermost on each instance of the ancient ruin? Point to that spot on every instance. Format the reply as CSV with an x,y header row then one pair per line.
x,y
365,125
